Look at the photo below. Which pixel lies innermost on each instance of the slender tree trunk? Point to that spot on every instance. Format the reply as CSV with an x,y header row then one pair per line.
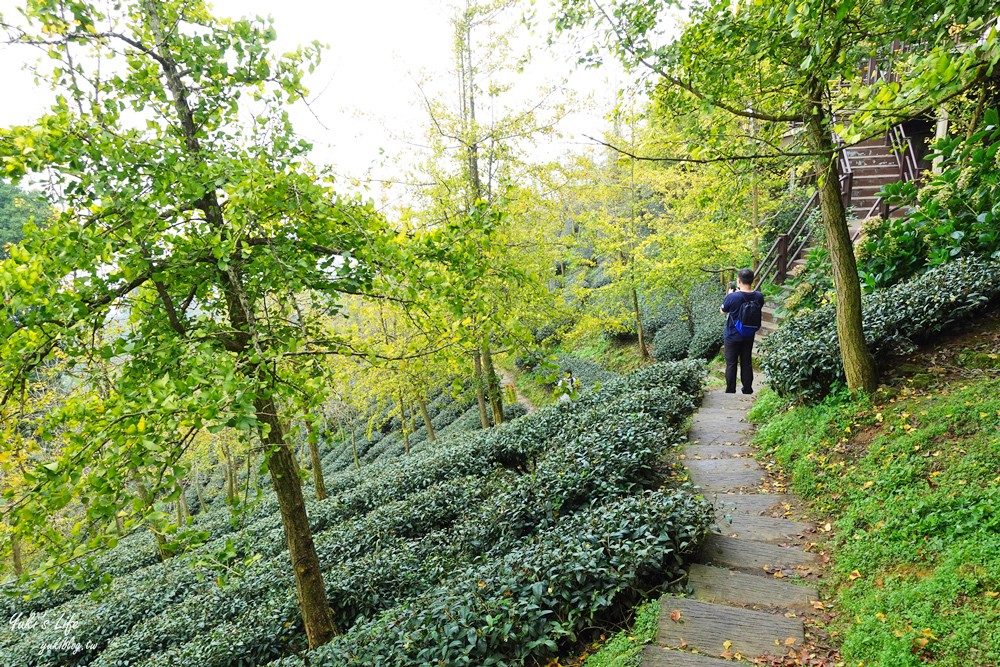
x,y
354,448
246,487
480,394
178,509
422,404
230,477
197,491
402,422
492,382
156,528
15,554
643,350
310,589
317,463
316,615
859,365
119,524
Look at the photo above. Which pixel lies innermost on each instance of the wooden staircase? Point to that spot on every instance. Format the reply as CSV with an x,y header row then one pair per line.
x,y
864,169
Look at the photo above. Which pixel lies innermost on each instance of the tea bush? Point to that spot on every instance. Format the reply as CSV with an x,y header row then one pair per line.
x,y
671,342
706,338
545,590
802,358
563,492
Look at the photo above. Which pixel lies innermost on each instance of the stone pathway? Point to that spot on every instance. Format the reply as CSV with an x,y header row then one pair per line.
x,y
507,378
742,605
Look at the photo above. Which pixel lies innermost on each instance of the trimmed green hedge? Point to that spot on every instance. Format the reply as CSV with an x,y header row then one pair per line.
x,y
545,590
802,358
671,342
413,528
709,325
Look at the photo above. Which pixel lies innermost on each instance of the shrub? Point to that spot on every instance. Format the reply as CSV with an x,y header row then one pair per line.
x,y
957,211
587,372
802,358
671,342
547,589
407,530
706,339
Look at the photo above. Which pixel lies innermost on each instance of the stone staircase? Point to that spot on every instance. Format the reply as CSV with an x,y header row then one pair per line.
x,y
742,605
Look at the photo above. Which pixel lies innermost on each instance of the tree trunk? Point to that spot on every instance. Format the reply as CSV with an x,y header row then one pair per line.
x,y
402,422
310,589
246,487
230,477
492,382
354,448
422,404
859,365
197,491
178,510
643,351
317,464
156,527
480,394
15,553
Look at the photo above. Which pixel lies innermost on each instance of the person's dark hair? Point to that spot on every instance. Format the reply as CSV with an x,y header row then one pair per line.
x,y
745,276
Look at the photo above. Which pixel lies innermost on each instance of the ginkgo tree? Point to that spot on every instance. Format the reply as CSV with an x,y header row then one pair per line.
x,y
196,229
478,154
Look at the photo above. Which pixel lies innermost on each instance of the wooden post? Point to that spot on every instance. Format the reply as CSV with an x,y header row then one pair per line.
x,y
781,271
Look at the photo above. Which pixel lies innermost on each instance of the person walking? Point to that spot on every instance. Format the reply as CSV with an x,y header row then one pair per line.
x,y
742,307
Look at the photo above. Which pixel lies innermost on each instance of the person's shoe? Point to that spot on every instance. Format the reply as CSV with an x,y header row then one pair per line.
x,y
730,391
746,391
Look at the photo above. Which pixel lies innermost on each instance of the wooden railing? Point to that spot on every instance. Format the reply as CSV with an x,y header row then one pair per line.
x,y
906,161
789,245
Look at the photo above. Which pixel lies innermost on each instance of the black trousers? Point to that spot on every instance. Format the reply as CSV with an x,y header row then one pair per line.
x,y
738,353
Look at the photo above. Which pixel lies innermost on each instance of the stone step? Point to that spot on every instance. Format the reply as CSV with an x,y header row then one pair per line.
x,y
751,555
705,452
721,401
657,656
722,586
874,141
708,627
750,503
874,167
721,475
760,528
875,178
717,437
869,150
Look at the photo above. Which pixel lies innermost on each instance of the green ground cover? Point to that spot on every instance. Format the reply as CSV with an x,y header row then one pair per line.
x,y
910,480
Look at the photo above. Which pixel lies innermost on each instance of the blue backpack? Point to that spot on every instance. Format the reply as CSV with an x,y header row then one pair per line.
x,y
747,318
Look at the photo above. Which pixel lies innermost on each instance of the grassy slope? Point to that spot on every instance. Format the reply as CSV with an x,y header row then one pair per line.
x,y
910,479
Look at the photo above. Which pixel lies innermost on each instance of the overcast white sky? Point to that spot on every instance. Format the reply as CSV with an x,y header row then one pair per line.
x,y
365,96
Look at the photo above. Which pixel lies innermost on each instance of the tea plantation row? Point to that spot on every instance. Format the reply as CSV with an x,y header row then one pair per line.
x,y
550,519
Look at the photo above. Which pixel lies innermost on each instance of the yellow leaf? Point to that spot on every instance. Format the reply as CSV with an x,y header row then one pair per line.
x,y
141,426
854,575
727,644
789,641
